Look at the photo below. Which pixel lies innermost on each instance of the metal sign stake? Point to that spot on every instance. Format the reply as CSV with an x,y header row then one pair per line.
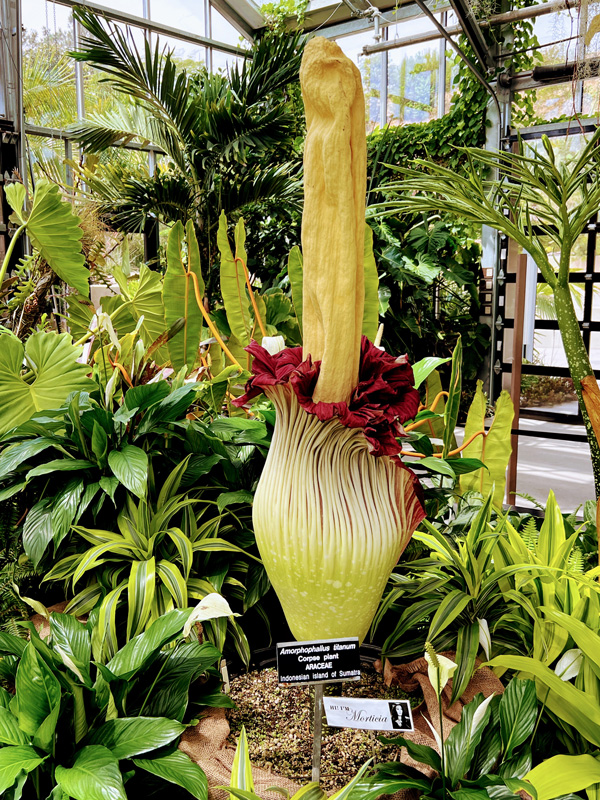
x,y
317,732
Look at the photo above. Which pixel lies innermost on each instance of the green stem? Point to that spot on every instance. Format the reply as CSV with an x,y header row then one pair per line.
x,y
10,250
578,360
442,746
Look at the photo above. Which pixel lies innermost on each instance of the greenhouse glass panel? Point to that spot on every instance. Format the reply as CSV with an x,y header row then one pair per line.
x,y
413,76
371,71
184,54
188,15
49,96
221,30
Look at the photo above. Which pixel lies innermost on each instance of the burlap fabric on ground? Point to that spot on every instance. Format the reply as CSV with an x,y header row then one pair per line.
x,y
206,743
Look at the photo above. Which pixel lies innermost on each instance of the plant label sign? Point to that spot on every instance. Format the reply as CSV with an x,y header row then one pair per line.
x,y
324,661
370,715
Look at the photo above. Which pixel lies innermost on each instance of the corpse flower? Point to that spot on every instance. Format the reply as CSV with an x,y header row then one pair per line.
x,y
334,507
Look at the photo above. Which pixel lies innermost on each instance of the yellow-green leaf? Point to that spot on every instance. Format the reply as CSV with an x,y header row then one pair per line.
x,y
295,275
233,283
493,449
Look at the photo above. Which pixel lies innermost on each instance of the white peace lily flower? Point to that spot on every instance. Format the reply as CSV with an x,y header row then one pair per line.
x,y
105,324
439,675
436,735
273,344
479,712
569,664
485,640
210,607
110,388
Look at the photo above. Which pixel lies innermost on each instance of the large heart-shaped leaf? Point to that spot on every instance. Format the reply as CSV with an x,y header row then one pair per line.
x,y
53,373
177,768
130,466
95,775
54,231
132,736
15,759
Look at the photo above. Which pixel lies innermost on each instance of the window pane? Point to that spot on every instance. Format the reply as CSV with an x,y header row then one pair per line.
x,y
223,31
546,393
48,73
188,15
413,83
184,54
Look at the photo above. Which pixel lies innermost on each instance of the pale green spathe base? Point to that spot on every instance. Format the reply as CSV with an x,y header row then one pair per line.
x,y
331,522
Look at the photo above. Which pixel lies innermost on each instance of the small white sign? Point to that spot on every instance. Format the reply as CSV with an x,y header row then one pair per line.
x,y
371,715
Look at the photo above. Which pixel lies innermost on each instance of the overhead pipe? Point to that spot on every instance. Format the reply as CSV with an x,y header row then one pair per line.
x,y
497,19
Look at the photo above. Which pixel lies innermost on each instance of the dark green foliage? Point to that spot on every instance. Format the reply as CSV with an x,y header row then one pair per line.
x,y
489,749
89,726
17,573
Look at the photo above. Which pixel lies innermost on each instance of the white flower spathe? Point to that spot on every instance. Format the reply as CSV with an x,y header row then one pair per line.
x,y
273,344
569,664
210,607
439,676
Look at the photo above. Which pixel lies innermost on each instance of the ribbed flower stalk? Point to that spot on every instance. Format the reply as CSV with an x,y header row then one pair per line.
x,y
334,507
331,521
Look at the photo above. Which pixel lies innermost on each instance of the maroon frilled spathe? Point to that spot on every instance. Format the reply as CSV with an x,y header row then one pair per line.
x,y
384,398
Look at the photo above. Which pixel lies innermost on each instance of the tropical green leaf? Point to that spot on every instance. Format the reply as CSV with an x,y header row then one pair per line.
x,y
140,595
561,775
37,691
371,310
177,768
518,713
130,466
54,373
142,298
64,509
467,645
452,605
454,394
60,465
232,498
241,770
133,736
233,285
463,739
10,733
54,230
437,465
95,775
561,697
172,578
179,297
15,455
144,648
295,274
71,640
493,449
13,760
37,530
423,368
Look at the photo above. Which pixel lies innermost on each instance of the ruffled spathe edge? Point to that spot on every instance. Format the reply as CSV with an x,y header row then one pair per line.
x,y
384,398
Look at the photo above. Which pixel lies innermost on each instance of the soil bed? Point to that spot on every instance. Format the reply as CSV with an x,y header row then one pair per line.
x,y
278,722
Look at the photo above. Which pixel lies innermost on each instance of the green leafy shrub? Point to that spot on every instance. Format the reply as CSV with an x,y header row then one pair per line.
x,y
77,728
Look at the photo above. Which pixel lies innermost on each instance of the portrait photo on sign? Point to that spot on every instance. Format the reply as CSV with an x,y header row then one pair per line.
x,y
400,715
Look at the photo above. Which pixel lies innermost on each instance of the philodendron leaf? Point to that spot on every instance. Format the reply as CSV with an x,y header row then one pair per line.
x,y
179,296
54,373
130,466
133,736
177,768
233,283
10,733
54,231
371,309
15,759
15,197
493,449
95,775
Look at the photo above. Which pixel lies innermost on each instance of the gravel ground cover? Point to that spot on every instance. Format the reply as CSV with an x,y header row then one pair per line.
x,y
278,722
